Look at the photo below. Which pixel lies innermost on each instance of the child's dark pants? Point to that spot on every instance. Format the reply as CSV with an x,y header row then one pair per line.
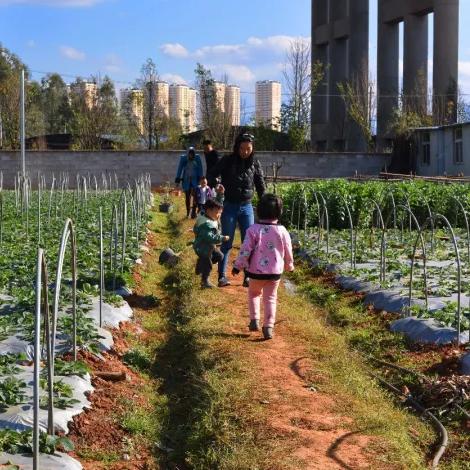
x,y
204,263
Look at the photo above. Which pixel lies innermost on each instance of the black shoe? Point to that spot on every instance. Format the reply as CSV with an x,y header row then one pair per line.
x,y
254,325
206,284
246,282
267,332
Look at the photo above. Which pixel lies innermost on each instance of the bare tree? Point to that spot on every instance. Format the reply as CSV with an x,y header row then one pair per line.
x,y
298,80
359,98
216,120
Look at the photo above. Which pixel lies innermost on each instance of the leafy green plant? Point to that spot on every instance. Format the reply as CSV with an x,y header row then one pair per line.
x,y
12,392
14,442
68,368
8,363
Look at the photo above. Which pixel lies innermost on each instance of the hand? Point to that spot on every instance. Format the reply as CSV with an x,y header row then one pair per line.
x,y
220,189
226,238
235,272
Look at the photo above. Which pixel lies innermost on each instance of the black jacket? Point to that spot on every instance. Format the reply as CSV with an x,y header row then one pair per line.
x,y
240,177
212,158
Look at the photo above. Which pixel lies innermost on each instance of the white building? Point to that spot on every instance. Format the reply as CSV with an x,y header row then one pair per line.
x,y
87,90
268,104
132,105
162,99
232,104
183,106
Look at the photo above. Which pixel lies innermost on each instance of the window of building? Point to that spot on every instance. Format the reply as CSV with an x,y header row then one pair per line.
x,y
426,148
458,146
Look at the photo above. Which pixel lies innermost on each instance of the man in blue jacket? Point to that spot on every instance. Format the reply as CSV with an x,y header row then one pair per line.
x,y
189,173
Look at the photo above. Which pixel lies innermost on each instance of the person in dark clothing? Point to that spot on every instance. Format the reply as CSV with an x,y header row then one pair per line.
x,y
212,158
241,175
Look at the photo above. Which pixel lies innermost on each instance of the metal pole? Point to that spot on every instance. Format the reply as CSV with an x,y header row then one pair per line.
x,y
22,126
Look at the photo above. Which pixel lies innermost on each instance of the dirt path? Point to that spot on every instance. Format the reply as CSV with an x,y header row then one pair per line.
x,y
318,436
294,409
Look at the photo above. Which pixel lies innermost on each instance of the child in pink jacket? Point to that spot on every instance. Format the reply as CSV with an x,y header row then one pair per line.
x,y
265,254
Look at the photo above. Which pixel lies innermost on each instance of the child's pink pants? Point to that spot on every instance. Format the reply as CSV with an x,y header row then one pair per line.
x,y
268,291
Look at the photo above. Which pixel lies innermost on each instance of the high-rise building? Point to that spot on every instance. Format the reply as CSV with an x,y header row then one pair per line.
x,y
132,104
183,106
192,110
232,104
162,99
268,104
87,90
219,90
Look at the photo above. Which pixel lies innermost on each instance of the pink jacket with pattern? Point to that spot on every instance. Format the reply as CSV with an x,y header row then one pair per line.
x,y
266,252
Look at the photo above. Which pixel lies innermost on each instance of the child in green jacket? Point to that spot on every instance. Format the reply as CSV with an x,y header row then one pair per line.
x,y
208,236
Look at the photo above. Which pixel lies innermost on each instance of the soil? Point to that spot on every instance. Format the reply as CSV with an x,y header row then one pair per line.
x,y
318,436
98,437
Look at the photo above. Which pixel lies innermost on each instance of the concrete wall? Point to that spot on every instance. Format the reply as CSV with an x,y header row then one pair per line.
x,y
443,152
162,166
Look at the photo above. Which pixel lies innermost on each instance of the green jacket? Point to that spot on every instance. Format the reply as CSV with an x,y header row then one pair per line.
x,y
207,236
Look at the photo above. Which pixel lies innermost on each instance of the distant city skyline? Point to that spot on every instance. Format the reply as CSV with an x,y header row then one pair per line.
x,y
114,37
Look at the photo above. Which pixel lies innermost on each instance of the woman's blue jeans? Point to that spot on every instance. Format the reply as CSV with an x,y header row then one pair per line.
x,y
233,214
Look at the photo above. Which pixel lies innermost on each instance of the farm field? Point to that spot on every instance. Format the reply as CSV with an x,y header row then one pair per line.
x,y
199,391
65,257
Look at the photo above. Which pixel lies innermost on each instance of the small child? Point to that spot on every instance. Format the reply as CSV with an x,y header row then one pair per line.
x,y
203,193
208,236
264,255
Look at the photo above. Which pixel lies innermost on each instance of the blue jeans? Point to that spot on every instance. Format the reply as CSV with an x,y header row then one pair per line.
x,y
234,213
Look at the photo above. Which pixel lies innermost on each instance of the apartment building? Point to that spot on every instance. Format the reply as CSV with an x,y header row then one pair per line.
x,y
232,104
183,106
268,104
132,105
87,90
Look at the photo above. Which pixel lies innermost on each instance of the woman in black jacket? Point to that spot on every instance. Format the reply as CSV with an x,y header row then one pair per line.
x,y
241,175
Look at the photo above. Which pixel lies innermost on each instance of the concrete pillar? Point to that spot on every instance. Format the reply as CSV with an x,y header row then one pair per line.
x,y
446,59
388,50
415,62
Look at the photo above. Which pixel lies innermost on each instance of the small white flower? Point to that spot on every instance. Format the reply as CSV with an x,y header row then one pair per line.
x,y
270,245
265,230
245,254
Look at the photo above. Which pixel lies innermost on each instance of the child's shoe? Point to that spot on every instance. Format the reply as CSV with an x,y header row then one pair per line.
x,y
246,282
268,332
223,282
254,325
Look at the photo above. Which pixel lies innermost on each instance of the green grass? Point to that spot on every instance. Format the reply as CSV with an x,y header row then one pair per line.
x,y
343,374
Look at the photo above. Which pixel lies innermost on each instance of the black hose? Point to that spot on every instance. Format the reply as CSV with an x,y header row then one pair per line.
x,y
438,425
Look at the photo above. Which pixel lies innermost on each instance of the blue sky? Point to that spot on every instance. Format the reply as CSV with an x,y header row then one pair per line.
x,y
246,40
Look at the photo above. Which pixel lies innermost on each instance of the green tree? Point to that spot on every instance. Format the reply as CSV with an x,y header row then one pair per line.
x,y
94,113
56,106
10,69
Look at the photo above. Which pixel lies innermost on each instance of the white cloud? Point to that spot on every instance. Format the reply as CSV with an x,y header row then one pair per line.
x,y
72,53
221,50
175,50
174,78
252,50
52,3
237,74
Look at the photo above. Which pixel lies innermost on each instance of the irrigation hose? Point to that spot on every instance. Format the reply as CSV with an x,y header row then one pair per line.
x,y
415,373
444,437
